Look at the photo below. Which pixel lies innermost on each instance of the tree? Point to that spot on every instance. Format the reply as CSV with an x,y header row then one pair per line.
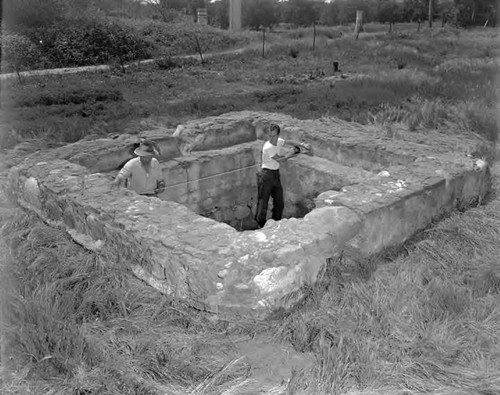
x,y
414,10
125,44
218,13
302,12
19,52
389,12
257,13
476,12
168,9
200,39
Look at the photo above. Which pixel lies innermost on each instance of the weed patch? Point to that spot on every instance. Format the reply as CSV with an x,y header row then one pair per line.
x,y
69,314
58,97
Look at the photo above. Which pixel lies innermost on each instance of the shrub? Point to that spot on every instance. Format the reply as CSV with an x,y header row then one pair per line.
x,y
166,63
82,42
177,38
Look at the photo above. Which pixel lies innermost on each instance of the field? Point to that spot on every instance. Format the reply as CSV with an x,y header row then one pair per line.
x,y
421,319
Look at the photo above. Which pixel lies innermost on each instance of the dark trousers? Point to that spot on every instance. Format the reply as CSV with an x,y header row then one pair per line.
x,y
269,185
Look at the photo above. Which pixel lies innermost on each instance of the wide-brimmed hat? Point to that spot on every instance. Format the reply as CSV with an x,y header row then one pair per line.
x,y
146,149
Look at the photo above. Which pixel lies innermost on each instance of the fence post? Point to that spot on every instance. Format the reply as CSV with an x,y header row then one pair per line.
x,y
314,35
359,23
263,41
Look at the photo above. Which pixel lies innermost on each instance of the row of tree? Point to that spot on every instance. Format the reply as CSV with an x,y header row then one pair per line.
x,y
265,13
261,13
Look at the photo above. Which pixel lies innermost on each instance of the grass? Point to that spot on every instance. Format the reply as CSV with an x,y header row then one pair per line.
x,y
424,320
430,76
85,324
425,323
428,321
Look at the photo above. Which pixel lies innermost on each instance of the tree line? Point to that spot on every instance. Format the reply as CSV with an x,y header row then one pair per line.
x,y
266,13
259,13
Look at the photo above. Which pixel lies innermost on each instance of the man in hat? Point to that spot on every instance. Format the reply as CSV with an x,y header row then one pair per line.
x,y
142,174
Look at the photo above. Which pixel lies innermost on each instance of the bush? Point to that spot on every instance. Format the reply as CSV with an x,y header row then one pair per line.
x,y
82,42
178,37
166,63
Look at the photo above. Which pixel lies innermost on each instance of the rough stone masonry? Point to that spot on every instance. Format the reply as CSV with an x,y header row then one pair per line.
x,y
391,188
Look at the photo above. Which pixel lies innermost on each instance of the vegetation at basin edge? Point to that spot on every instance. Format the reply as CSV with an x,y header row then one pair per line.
x,y
442,79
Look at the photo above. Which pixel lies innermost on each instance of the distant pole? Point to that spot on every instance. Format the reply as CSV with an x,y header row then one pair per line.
x,y
358,28
430,13
314,35
234,15
263,41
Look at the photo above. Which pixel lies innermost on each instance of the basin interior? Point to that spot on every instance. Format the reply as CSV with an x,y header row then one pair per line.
x,y
222,184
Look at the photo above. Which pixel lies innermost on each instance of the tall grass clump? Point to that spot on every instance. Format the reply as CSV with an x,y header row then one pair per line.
x,y
427,322
84,323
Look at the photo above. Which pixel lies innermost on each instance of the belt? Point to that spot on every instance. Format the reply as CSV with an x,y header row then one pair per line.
x,y
266,169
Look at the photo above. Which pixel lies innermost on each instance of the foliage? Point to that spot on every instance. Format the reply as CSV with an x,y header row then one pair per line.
x,y
166,9
259,13
168,92
414,10
19,15
425,323
125,44
301,12
86,324
83,42
218,13
176,38
389,12
198,40
19,52
476,12
49,97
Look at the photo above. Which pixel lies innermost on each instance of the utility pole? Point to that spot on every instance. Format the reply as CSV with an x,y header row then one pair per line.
x,y
430,13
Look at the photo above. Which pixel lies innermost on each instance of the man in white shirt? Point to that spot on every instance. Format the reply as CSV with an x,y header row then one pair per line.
x,y
142,174
268,178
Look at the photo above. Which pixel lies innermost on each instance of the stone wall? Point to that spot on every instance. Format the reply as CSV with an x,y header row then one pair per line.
x,y
202,261
220,184
376,198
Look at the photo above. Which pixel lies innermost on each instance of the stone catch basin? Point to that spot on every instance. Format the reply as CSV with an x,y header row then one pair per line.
x,y
358,194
